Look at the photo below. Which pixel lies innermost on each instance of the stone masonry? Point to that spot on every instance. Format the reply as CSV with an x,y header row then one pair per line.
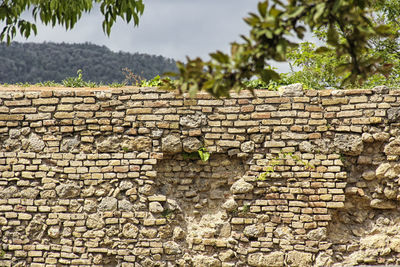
x,y
112,177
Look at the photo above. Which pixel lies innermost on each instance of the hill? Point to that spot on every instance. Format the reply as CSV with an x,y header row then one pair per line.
x,y
40,62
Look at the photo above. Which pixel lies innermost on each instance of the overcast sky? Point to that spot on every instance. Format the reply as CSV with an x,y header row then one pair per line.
x,y
171,28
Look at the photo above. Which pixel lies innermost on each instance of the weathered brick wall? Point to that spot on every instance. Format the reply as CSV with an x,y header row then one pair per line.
x,y
105,177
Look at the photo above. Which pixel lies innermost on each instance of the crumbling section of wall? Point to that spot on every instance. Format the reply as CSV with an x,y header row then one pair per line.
x,y
112,178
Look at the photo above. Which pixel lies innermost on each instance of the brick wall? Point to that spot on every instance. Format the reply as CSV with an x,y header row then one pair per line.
x,y
101,177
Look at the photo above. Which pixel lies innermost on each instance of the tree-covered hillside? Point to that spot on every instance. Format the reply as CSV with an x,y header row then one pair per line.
x,y
40,62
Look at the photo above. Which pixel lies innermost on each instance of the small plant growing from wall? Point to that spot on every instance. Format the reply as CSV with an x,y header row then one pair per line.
x,y
168,214
283,156
202,153
246,208
2,253
77,81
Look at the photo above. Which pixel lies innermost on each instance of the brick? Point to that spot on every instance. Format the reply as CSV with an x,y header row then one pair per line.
x,y
317,122
24,102
35,253
133,111
87,107
228,143
358,99
65,107
4,117
64,115
210,102
372,120
277,100
280,114
261,115
23,110
313,108
72,100
38,117
350,113
335,101
247,108
228,109
149,117
245,123
274,144
45,101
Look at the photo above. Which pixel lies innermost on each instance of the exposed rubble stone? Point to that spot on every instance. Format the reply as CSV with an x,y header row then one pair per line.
x,y
300,259
36,144
393,114
393,148
109,144
274,259
382,204
70,145
241,187
230,205
155,207
130,231
192,121
172,144
205,261
349,144
171,247
247,147
68,190
108,203
253,230
292,90
95,221
191,144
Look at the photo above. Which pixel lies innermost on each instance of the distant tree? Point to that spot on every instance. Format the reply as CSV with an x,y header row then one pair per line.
x,y
33,63
320,70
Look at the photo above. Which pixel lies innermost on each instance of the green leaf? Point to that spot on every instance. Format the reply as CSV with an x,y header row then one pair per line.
x,y
204,154
333,37
320,8
268,75
274,12
220,57
296,11
322,49
262,8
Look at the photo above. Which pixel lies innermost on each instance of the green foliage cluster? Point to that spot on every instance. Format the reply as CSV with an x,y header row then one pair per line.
x,y
64,13
322,67
155,82
38,63
349,30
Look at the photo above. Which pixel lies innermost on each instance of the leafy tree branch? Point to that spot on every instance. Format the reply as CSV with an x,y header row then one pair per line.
x,y
63,12
269,40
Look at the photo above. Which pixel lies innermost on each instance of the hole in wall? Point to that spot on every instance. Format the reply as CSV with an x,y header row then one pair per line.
x,y
195,192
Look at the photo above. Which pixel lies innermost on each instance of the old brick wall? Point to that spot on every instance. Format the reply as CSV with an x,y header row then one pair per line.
x,y
110,177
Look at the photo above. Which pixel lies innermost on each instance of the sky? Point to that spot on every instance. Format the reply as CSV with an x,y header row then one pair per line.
x,y
171,28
